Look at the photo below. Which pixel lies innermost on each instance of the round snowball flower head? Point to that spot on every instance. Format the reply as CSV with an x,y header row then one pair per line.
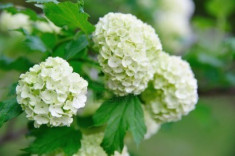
x,y
9,21
51,93
174,30
183,7
91,146
127,51
173,92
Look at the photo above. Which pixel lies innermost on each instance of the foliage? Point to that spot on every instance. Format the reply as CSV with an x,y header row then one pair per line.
x,y
68,14
8,110
120,114
211,54
49,140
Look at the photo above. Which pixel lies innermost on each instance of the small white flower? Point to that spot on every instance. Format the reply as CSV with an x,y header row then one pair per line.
x,y
47,26
46,96
127,50
182,7
173,92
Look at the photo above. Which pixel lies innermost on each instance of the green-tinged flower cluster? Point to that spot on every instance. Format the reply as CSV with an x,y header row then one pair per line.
x,y
51,93
174,89
182,7
9,21
91,146
47,27
172,20
127,51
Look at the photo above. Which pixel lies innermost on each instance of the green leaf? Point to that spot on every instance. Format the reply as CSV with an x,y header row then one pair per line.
x,y
19,64
49,40
76,46
85,122
226,7
120,114
68,14
9,109
35,43
49,140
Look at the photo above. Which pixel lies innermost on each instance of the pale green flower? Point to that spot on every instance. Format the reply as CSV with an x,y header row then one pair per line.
x,y
47,27
91,146
9,21
173,92
50,93
175,30
127,51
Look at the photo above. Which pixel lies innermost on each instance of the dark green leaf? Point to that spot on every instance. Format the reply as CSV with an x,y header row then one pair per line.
x,y
49,140
12,89
85,122
49,40
35,43
120,114
20,64
68,14
9,109
76,46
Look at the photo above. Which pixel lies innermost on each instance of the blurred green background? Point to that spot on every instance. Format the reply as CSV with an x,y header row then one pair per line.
x,y
202,32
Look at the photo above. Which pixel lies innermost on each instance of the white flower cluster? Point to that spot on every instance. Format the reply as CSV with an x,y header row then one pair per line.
x,y
9,21
182,7
174,90
51,93
172,20
47,27
91,146
127,51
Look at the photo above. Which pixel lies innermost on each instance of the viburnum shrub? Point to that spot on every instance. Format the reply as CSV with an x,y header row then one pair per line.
x,y
92,84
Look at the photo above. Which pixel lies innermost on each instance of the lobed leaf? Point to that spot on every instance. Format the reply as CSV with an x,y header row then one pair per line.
x,y
68,14
9,109
49,140
120,114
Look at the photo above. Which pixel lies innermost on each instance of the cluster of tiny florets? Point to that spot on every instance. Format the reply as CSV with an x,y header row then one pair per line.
x,y
10,21
174,89
51,93
90,146
127,51
47,26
